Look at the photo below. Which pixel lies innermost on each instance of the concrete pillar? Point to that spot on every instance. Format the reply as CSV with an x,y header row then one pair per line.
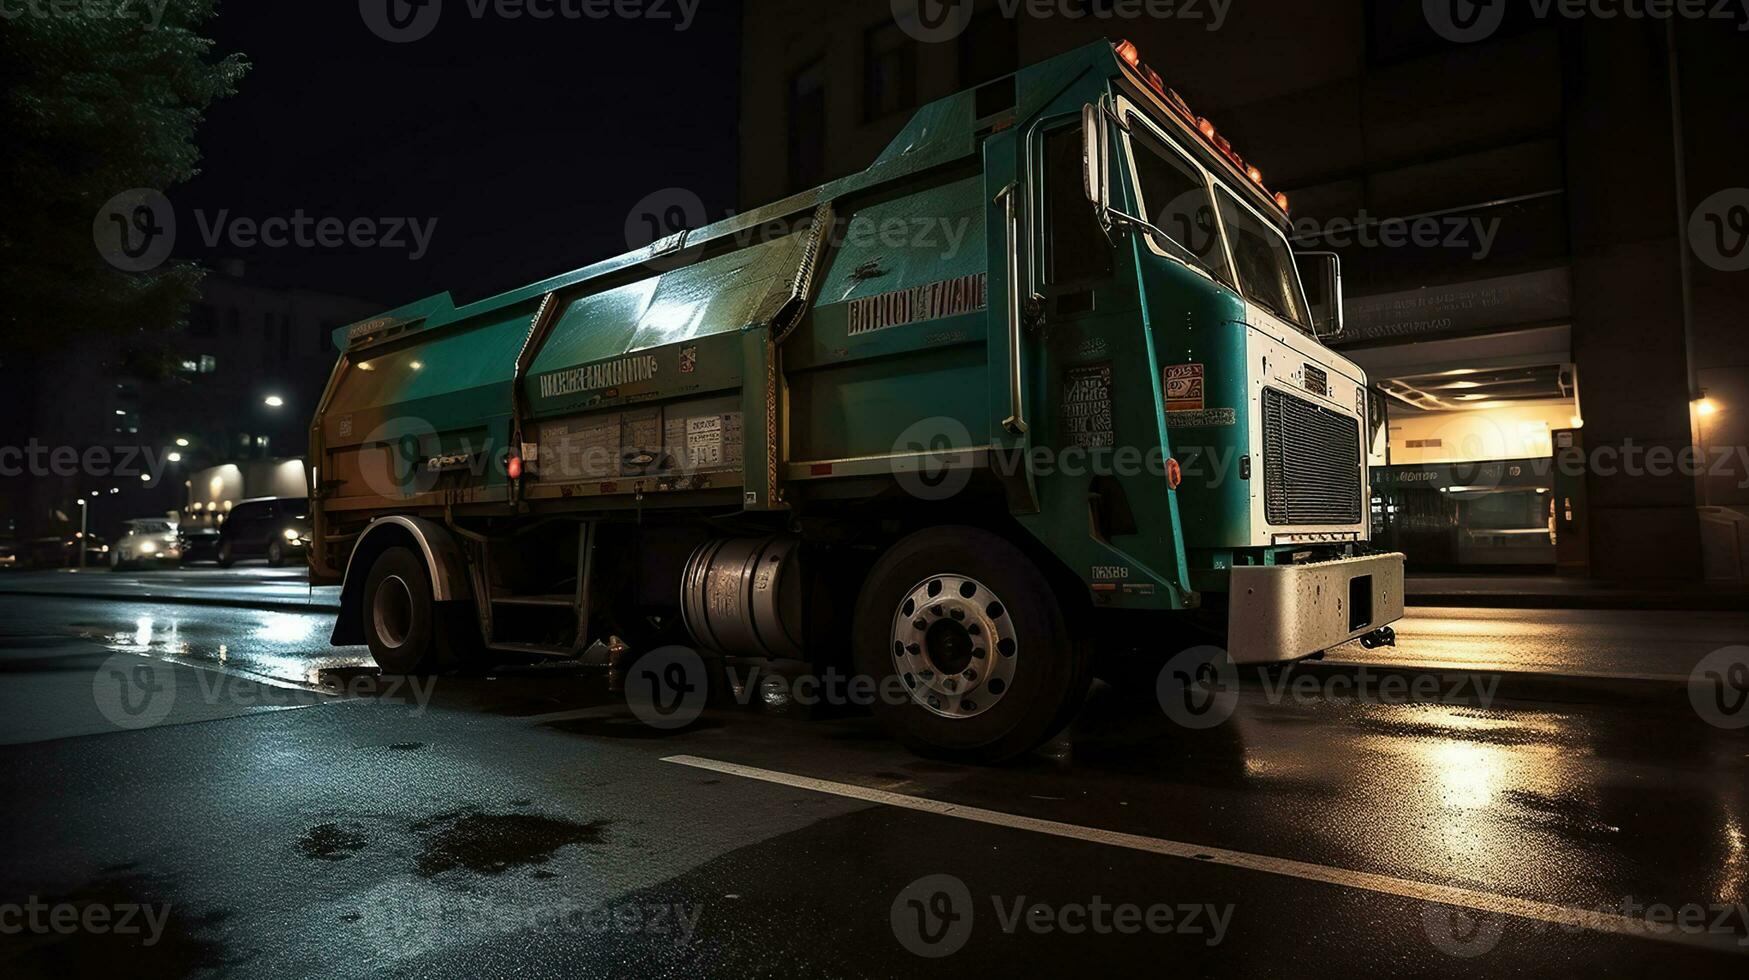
x,y
1628,333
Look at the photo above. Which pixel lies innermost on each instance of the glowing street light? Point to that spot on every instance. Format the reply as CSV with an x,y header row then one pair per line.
x,y
274,401
84,525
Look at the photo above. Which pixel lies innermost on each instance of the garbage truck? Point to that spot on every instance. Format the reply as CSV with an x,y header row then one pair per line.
x,y
1045,383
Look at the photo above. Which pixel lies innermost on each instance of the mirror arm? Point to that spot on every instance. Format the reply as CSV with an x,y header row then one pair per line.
x,y
1129,220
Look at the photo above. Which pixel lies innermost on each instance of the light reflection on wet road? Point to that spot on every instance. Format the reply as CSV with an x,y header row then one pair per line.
x,y
284,647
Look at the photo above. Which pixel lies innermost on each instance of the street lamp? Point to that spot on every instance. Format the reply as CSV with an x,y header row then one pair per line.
x,y
274,401
83,524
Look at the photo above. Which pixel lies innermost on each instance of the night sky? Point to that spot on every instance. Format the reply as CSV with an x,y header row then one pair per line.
x,y
528,141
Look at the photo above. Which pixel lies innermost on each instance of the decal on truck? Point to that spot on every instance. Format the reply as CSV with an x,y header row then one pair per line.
x,y
919,304
1184,388
1086,408
576,381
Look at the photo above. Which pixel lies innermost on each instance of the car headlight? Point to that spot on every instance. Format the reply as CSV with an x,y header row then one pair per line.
x,y
291,534
147,547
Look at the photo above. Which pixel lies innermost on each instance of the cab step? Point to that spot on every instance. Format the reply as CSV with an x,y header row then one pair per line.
x,y
553,601
534,649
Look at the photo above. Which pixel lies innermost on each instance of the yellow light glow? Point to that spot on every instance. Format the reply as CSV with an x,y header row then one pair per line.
x,y
1705,407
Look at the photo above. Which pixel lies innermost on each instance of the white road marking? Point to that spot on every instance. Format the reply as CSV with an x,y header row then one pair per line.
x,y
1559,915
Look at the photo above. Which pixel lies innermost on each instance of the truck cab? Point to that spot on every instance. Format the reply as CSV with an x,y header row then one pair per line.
x,y
1264,427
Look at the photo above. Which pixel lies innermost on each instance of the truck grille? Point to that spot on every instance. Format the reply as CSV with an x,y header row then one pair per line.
x,y
1311,463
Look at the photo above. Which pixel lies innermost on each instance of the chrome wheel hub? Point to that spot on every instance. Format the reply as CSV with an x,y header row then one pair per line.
x,y
953,645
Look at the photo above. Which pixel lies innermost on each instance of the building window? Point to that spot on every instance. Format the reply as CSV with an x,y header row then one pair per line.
x,y
989,49
889,71
807,127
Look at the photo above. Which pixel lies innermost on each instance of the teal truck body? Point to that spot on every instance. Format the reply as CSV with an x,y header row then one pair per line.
x,y
1041,384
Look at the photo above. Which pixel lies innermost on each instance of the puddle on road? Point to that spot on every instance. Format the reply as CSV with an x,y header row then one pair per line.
x,y
331,842
491,844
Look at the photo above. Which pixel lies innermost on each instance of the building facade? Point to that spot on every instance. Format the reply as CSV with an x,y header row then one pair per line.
x,y
136,417
1541,220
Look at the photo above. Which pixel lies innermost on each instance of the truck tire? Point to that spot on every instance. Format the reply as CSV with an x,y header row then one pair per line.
x,y
971,651
407,631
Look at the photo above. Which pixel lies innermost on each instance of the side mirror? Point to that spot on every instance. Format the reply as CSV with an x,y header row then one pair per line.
x,y
1094,158
1321,272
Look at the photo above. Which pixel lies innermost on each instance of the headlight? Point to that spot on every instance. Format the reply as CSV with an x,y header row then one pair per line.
x,y
291,534
147,547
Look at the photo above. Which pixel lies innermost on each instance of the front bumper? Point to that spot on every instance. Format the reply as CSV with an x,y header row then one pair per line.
x,y
1285,612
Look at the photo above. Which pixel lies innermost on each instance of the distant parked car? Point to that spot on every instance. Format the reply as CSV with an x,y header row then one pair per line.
x,y
148,541
199,544
63,552
8,556
276,529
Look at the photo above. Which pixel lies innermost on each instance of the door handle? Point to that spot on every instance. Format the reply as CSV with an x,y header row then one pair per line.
x,y
1015,423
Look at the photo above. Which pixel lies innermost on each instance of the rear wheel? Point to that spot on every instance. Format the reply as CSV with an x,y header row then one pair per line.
x,y
969,645
407,631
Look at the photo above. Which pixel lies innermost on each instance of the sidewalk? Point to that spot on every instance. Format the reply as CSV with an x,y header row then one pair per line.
x,y
274,590
1647,656
1475,589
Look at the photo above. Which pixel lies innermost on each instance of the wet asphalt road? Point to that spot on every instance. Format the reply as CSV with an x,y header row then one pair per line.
x,y
528,822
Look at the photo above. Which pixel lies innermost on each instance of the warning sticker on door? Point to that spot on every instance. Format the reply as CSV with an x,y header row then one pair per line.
x,y
1184,388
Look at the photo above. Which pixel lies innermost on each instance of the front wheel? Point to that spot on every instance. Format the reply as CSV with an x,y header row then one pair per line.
x,y
225,558
275,554
970,648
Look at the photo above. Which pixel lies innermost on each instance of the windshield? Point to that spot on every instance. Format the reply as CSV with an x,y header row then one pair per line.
x,y
1265,263
1175,200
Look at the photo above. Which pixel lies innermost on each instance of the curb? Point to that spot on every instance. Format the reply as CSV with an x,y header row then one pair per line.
x,y
1520,600
218,602
1466,683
